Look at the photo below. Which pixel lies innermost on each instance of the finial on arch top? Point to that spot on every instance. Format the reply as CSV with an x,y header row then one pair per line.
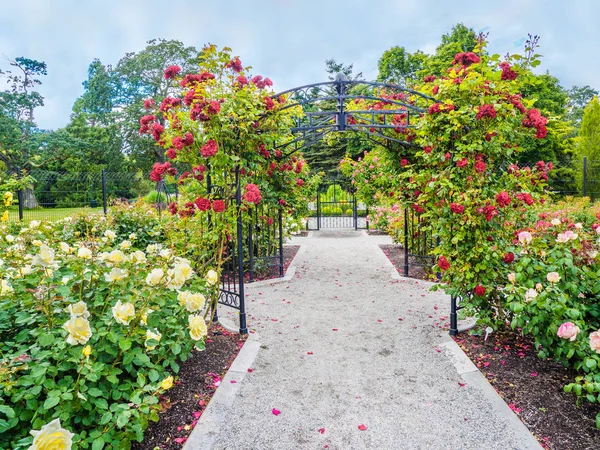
x,y
341,77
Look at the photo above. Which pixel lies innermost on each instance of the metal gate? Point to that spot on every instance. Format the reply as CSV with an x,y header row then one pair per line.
x,y
336,208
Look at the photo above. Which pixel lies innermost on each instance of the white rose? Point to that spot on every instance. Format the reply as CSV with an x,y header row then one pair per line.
x,y
64,247
45,257
155,277
9,238
123,312
525,237
78,309
530,295
34,224
152,248
132,237
84,253
79,330
579,225
165,253
110,234
26,270
5,288
52,437
555,222
553,277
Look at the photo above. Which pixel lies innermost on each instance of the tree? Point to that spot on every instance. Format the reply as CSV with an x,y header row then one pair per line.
x,y
398,66
579,97
98,99
139,77
588,142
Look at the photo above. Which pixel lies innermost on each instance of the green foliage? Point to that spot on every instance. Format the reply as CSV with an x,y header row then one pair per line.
x,y
398,66
588,144
70,349
579,97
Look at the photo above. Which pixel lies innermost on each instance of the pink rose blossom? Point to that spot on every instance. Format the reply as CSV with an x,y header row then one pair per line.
x,y
595,341
568,330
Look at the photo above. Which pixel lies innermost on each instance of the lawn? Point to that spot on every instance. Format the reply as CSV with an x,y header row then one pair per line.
x,y
49,213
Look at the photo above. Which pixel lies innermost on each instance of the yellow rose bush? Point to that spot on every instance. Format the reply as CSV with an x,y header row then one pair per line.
x,y
94,321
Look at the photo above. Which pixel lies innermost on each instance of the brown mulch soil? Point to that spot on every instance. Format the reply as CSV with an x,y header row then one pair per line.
x,y
533,389
303,233
395,254
376,233
197,381
289,253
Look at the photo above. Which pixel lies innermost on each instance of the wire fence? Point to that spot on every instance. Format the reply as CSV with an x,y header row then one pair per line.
x,y
55,195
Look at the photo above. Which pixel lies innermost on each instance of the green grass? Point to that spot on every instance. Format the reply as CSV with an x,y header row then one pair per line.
x,y
49,214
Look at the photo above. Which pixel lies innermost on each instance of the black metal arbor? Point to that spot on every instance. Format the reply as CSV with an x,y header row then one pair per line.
x,y
322,109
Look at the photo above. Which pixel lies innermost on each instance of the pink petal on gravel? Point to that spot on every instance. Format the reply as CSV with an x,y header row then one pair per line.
x,y
275,412
322,430
362,427
534,374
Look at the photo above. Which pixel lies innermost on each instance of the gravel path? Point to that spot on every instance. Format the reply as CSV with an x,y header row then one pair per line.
x,y
335,355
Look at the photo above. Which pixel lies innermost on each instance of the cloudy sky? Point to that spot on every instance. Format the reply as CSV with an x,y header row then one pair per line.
x,y
287,40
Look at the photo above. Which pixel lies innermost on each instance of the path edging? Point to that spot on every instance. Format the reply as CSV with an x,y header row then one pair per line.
x,y
207,429
289,273
473,376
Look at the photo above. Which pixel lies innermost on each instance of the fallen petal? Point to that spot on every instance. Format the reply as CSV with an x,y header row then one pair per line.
x,y
275,412
362,427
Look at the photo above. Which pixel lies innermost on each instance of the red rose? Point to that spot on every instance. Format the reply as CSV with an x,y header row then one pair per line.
x,y
443,263
172,208
177,142
188,139
456,208
252,194
419,209
480,166
429,79
171,72
218,206
269,103
427,150
466,59
479,290
145,123
300,182
157,131
404,162
270,221
171,153
503,199
509,257
462,162
435,108
282,202
242,81
203,204
213,107
435,90
235,64
486,111
278,154
507,73
209,149
149,103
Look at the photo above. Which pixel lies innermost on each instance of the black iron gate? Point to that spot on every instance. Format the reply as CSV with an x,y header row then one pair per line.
x,y
336,208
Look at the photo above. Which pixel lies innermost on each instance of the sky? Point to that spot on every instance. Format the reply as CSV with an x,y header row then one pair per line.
x,y
286,40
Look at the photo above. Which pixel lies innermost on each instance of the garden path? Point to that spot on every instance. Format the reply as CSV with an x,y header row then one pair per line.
x,y
335,355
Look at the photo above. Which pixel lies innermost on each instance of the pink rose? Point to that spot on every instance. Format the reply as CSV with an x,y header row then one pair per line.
x,y
595,341
569,330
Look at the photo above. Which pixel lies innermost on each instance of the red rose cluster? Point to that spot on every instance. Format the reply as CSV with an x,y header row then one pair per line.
x,y
534,119
486,111
261,83
171,72
209,149
252,194
159,169
465,59
507,73
437,108
503,199
443,263
235,64
456,208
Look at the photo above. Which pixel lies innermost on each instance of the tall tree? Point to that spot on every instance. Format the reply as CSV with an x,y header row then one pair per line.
x,y
140,76
579,97
588,143
398,66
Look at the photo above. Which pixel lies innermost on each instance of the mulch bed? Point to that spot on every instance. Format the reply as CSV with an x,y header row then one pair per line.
x,y
289,253
395,254
533,389
197,381
376,233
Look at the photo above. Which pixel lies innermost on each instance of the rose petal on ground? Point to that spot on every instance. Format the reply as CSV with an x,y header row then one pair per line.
x,y
250,370
322,430
362,427
462,384
309,353
275,412
233,381
334,329
534,374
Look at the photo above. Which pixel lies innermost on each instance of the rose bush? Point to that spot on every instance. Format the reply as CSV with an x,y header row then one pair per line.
x,y
92,325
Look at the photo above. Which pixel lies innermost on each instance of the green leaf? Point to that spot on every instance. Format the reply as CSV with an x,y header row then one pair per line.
x,y
8,411
591,363
176,349
95,392
125,344
98,443
51,402
46,339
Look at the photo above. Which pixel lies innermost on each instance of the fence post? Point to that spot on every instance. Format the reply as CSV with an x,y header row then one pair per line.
x,y
281,241
453,316
104,205
585,176
240,249
355,212
405,242
20,200
318,208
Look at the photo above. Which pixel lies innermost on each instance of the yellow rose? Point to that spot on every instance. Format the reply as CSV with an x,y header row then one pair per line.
x,y
184,269
65,247
123,312
155,277
5,216
197,326
115,275
87,351
152,248
79,330
52,437
167,383
125,245
5,288
45,257
25,270
34,224
138,257
176,280
116,256
37,243
151,335
84,253
8,198
144,318
78,309
165,253
194,302
212,277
